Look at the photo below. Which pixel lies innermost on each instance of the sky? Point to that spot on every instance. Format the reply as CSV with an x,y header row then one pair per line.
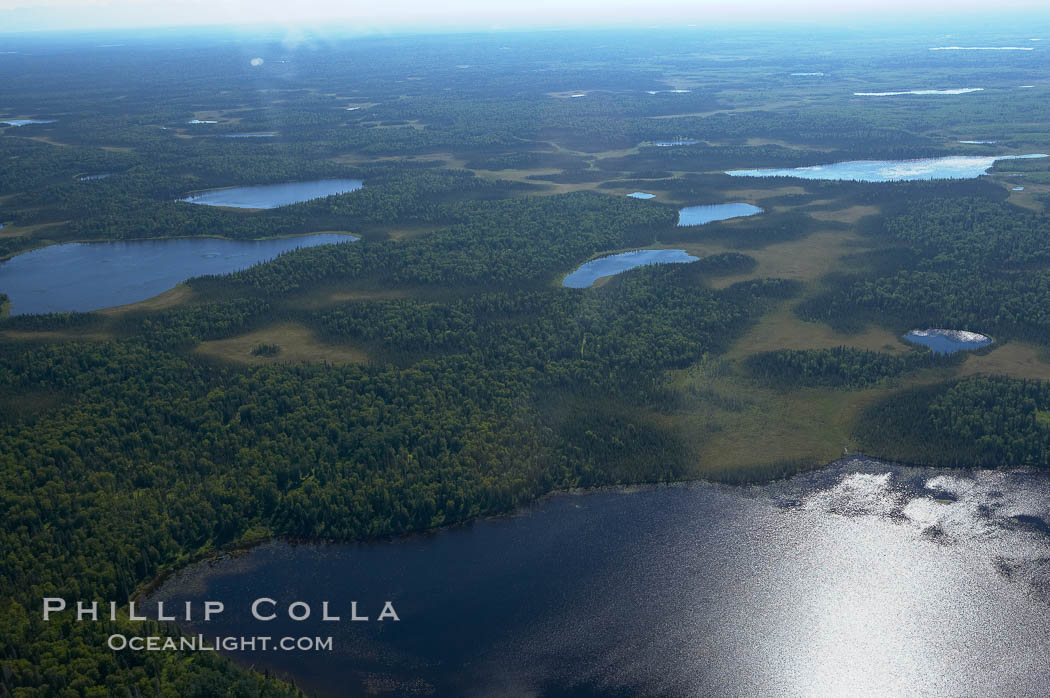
x,y
378,16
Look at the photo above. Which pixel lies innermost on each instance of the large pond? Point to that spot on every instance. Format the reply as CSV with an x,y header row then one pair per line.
x,y
698,215
953,167
586,274
274,195
88,276
948,341
861,579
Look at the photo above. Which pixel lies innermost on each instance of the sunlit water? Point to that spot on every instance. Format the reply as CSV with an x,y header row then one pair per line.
x,y
862,579
982,48
698,215
87,276
953,167
948,341
955,91
26,122
274,195
586,274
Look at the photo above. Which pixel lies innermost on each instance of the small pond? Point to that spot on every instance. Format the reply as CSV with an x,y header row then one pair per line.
x,y
948,341
698,215
588,273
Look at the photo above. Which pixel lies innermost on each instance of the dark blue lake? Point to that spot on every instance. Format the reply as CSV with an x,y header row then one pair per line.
x,y
586,274
274,195
948,341
82,276
861,579
698,215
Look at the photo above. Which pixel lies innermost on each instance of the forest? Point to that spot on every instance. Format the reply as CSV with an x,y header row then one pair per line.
x,y
138,439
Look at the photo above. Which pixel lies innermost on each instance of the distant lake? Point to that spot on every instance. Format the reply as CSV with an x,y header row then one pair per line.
x,y
982,48
948,341
952,167
859,579
274,195
92,177
26,122
958,91
698,215
641,195
672,144
82,276
588,273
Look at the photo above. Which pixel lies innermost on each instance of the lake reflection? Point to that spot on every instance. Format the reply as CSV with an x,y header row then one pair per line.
x,y
88,276
861,579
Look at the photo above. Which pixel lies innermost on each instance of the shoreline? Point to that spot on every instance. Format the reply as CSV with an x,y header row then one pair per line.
x,y
211,236
142,593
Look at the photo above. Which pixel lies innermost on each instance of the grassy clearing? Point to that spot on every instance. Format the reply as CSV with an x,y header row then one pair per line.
x,y
1029,198
297,343
1014,359
805,426
17,231
180,295
782,329
754,194
541,187
846,215
46,139
806,259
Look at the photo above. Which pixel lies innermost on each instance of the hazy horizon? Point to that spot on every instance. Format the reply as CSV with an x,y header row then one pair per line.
x,y
416,16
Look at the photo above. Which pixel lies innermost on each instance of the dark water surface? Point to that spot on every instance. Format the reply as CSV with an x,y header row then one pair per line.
x,y
274,195
862,579
82,276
